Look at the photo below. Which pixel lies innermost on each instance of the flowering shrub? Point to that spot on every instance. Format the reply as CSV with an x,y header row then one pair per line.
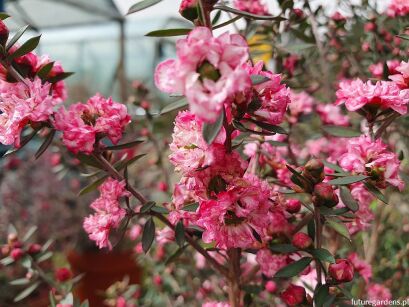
x,y
268,213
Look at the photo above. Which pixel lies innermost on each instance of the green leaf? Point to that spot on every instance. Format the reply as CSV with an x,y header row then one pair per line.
x,y
148,235
294,268
60,77
4,15
347,199
283,248
191,207
227,22
19,282
161,210
333,166
339,227
147,207
258,79
216,17
89,160
180,233
16,37
175,255
176,105
347,180
168,32
341,131
142,5
27,47
6,261
403,36
211,130
26,292
44,257
375,192
45,70
130,162
125,145
52,299
47,142
269,127
277,143
323,255
246,14
91,187
24,141
29,233
321,295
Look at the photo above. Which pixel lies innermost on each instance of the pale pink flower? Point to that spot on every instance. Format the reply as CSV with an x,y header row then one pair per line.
x,y
332,115
363,268
378,292
270,263
398,8
208,71
273,96
256,7
357,94
377,69
108,212
82,123
22,104
301,103
372,158
401,76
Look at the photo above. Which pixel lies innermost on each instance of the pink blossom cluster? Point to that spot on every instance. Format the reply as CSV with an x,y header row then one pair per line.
x,y
332,115
372,158
301,103
84,124
108,212
383,95
401,76
270,263
22,104
398,8
377,69
256,7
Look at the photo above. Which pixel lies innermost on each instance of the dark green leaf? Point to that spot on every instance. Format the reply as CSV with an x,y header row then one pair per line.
x,y
91,187
130,162
339,227
89,160
246,14
333,166
323,255
161,210
24,141
168,32
16,37
211,130
269,127
148,235
4,15
321,295
60,77
216,18
176,105
341,131
375,192
147,207
26,292
27,47
47,142
283,248
141,5
191,207
227,22
347,199
347,180
293,268
45,70
180,233
125,145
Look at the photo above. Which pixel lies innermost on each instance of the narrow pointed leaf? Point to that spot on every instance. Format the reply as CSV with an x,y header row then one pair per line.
x,y
147,207
347,199
376,192
347,180
141,5
16,37
180,233
125,145
27,47
60,77
323,255
168,32
341,131
47,142
148,235
26,292
45,70
339,227
176,105
211,130
294,268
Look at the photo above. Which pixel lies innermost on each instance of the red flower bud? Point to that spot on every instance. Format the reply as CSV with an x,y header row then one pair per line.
x,y
34,249
301,240
293,295
341,271
11,238
324,195
293,205
63,274
188,9
370,26
271,286
314,171
4,33
16,253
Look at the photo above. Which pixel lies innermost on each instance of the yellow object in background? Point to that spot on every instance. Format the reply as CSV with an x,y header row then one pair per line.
x,y
260,50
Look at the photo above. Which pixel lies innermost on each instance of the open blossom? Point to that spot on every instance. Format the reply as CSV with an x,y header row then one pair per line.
x,y
357,94
332,115
108,212
256,7
216,304
378,292
398,8
363,268
377,69
274,96
22,104
238,216
208,71
401,77
372,158
82,123
270,263
301,103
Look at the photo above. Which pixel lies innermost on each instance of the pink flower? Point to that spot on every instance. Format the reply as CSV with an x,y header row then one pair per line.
x,y
301,103
270,263
256,7
364,269
341,271
384,95
208,71
332,115
401,78
378,292
377,69
22,104
337,16
273,95
290,62
216,304
372,159
82,123
398,8
293,295
108,212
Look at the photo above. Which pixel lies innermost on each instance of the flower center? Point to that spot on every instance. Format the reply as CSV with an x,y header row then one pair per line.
x,y
208,71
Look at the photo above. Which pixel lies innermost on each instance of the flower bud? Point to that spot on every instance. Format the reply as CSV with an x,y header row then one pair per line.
x,y
302,240
4,33
63,274
189,9
34,249
341,271
293,205
271,286
16,253
314,171
293,295
11,238
324,195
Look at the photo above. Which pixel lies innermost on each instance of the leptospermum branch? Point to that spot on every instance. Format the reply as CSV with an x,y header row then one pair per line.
x,y
116,175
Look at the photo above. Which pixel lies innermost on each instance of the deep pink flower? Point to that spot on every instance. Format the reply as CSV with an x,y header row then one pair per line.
x,y
398,8
271,286
256,7
384,95
377,69
216,304
293,295
332,115
270,263
273,95
290,62
208,71
301,240
22,104
63,274
301,103
401,76
341,271
108,212
337,16
363,268
378,292
82,123
372,159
